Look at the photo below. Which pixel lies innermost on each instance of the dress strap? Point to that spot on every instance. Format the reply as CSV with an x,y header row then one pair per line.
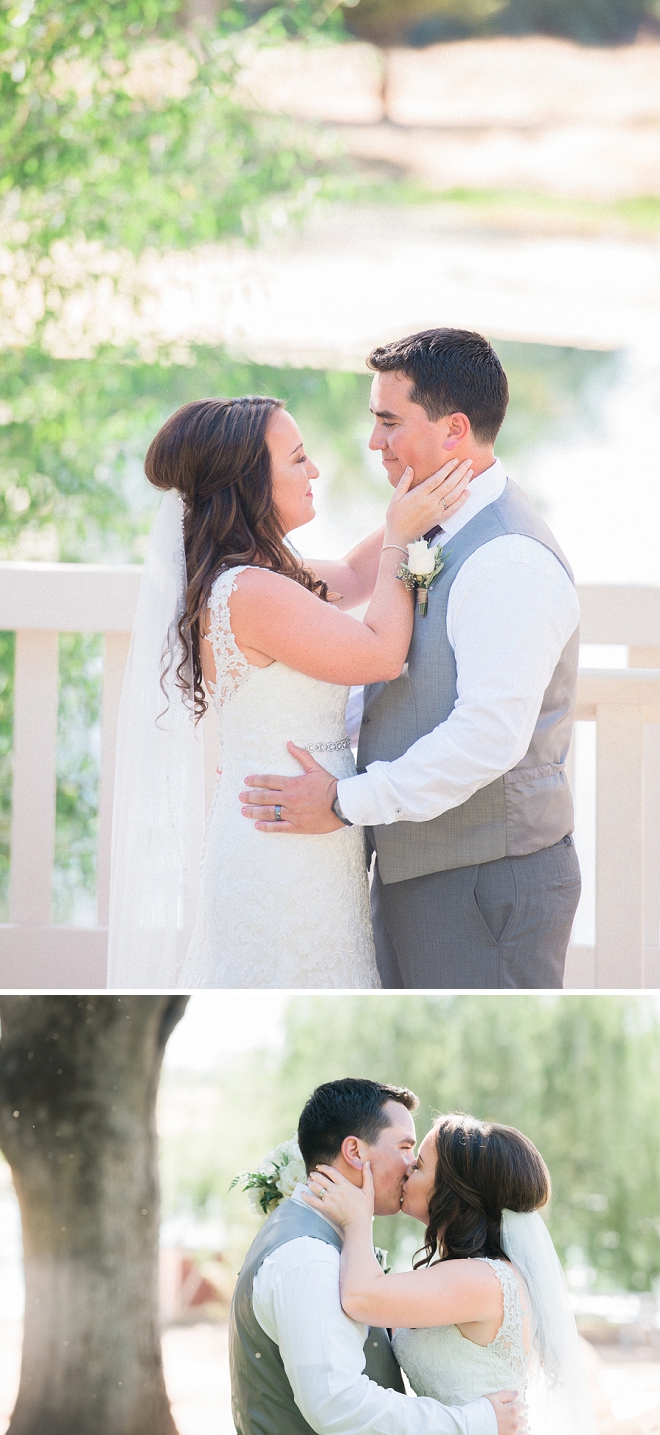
x,y
509,1338
232,668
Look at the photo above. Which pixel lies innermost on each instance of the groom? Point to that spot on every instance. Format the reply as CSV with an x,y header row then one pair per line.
x,y
461,762
298,1364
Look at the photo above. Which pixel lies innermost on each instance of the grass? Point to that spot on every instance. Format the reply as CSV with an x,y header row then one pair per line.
x,y
637,215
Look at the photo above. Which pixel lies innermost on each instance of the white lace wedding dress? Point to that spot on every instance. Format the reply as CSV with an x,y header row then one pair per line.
x,y
276,910
441,1362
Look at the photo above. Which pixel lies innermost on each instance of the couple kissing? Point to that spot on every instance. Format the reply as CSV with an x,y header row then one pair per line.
x,y
482,1326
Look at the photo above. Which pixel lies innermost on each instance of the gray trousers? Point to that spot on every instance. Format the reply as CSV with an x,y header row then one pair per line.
x,y
497,924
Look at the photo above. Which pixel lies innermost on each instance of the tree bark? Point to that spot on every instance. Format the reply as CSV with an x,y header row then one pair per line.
x,y
78,1084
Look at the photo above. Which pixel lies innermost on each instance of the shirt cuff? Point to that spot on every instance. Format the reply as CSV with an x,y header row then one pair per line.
x,y
486,1421
358,801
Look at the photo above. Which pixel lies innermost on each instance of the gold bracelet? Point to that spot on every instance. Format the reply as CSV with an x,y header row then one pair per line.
x,y
394,545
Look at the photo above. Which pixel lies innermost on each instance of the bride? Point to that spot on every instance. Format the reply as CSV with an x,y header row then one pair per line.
x,y
486,1307
226,608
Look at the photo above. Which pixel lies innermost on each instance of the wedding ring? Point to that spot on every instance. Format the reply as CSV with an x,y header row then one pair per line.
x,y
444,505
278,812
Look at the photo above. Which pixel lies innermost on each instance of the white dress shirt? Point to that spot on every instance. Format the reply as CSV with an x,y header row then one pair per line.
x,y
296,1302
512,609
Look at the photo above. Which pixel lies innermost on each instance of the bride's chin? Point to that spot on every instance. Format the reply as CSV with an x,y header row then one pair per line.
x,y
406,1211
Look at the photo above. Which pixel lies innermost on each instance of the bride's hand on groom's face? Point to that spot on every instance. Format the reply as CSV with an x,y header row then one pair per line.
x,y
338,1198
416,507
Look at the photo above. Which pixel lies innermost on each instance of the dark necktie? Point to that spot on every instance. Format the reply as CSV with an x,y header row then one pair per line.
x,y
432,533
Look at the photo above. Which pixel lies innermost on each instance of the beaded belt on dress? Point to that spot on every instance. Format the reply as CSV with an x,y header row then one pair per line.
x,y
327,746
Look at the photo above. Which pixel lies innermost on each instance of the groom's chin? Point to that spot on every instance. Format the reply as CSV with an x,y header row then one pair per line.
x,y
387,1210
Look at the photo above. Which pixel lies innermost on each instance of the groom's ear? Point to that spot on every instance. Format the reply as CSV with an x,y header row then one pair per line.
x,y
350,1150
458,429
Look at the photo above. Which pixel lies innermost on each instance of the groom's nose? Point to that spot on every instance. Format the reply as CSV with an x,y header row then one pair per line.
x,y
376,442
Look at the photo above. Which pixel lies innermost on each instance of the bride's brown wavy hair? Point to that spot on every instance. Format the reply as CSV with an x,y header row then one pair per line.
x,y
481,1170
215,452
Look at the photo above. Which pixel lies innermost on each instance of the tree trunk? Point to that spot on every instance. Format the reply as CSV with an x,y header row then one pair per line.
x,y
78,1083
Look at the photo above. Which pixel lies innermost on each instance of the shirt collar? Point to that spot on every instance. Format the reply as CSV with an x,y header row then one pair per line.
x,y
300,1201
484,489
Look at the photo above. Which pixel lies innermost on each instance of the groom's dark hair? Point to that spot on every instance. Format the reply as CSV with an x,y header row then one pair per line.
x,y
350,1107
452,371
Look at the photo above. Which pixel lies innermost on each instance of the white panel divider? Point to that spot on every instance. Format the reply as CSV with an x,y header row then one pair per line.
x,y
33,785
114,662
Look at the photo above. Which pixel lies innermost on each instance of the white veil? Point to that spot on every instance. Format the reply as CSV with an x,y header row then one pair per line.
x,y
558,1393
158,814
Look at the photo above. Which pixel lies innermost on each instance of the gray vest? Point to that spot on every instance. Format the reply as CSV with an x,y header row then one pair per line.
x,y
262,1398
528,808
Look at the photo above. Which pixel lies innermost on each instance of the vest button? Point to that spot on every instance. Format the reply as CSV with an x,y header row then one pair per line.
x,y
365,720
257,1355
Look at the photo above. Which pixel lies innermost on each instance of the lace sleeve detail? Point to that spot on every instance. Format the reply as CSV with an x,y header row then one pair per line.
x,y
509,1339
231,666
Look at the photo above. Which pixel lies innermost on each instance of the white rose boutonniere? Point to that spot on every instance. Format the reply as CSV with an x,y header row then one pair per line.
x,y
420,572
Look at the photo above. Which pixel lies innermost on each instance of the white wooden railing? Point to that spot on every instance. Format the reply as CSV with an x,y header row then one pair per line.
x,y
40,600
625,706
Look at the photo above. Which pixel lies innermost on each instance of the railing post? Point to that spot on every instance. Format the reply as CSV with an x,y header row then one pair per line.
x,y
116,647
651,847
643,657
650,658
620,845
33,786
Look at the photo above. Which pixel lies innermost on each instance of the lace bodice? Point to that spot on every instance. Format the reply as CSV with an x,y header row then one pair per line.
x,y
276,910
440,1361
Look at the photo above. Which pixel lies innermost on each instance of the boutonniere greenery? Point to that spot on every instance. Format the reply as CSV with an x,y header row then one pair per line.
x,y
275,1179
420,572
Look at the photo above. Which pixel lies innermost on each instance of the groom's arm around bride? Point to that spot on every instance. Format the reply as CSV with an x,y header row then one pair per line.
x,y
461,762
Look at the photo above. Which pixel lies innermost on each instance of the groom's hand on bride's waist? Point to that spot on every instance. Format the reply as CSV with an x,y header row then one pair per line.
x,y
511,1418
293,804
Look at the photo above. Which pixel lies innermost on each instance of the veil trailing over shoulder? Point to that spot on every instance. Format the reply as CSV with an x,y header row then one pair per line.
x,y
158,814
558,1392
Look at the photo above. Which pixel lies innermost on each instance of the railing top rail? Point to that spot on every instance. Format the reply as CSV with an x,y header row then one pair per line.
x,y
69,597
628,613
625,687
101,597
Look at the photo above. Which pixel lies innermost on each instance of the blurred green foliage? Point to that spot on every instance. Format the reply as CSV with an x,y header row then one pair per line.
x,y
578,1074
108,131
424,22
73,433
78,771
